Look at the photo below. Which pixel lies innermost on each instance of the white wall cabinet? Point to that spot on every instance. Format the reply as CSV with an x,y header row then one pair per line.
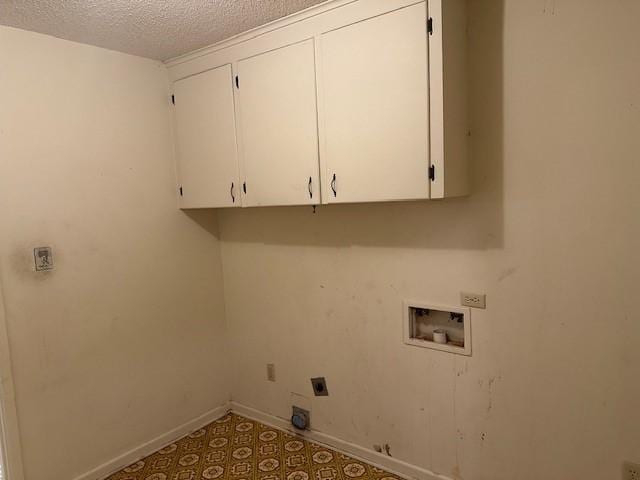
x,y
207,161
277,120
349,101
374,93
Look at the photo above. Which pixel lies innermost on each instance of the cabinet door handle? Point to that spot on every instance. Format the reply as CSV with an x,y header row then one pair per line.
x,y
233,198
333,185
310,191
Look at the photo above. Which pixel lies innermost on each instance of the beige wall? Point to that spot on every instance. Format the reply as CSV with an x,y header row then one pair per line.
x,y
551,234
123,341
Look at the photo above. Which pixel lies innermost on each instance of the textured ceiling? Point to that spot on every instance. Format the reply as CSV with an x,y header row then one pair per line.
x,y
158,29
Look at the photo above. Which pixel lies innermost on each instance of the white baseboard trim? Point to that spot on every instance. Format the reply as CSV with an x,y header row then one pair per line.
x,y
151,446
372,457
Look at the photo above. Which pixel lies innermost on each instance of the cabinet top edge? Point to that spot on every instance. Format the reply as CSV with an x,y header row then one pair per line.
x,y
266,28
259,30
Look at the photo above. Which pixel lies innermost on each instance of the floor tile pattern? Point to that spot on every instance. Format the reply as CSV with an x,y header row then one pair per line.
x,y
237,448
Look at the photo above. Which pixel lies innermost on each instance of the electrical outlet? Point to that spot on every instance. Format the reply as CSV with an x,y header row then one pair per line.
x,y
630,471
271,372
475,300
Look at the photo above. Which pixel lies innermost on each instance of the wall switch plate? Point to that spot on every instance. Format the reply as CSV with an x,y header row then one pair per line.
x,y
319,387
271,372
43,258
475,300
630,471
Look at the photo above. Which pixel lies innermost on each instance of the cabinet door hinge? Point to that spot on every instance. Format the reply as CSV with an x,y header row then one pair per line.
x,y
237,82
173,99
432,173
180,190
430,26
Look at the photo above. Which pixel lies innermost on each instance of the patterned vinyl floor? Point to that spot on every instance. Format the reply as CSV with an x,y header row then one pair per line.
x,y
236,448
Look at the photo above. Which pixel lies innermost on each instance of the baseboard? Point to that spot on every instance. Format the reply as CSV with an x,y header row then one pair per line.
x,y
151,446
390,464
372,457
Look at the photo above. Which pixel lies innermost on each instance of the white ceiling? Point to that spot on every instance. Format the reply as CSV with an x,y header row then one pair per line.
x,y
158,29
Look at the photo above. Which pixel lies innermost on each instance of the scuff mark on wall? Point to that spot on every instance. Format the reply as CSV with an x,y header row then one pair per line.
x,y
549,7
455,473
490,390
507,273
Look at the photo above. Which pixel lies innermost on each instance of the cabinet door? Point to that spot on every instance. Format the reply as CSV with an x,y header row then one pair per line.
x,y
278,126
374,108
206,140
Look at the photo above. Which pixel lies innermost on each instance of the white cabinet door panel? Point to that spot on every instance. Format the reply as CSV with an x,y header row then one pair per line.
x,y
206,140
374,104
278,126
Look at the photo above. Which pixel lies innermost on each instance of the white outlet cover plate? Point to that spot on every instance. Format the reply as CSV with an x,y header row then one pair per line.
x,y
474,300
